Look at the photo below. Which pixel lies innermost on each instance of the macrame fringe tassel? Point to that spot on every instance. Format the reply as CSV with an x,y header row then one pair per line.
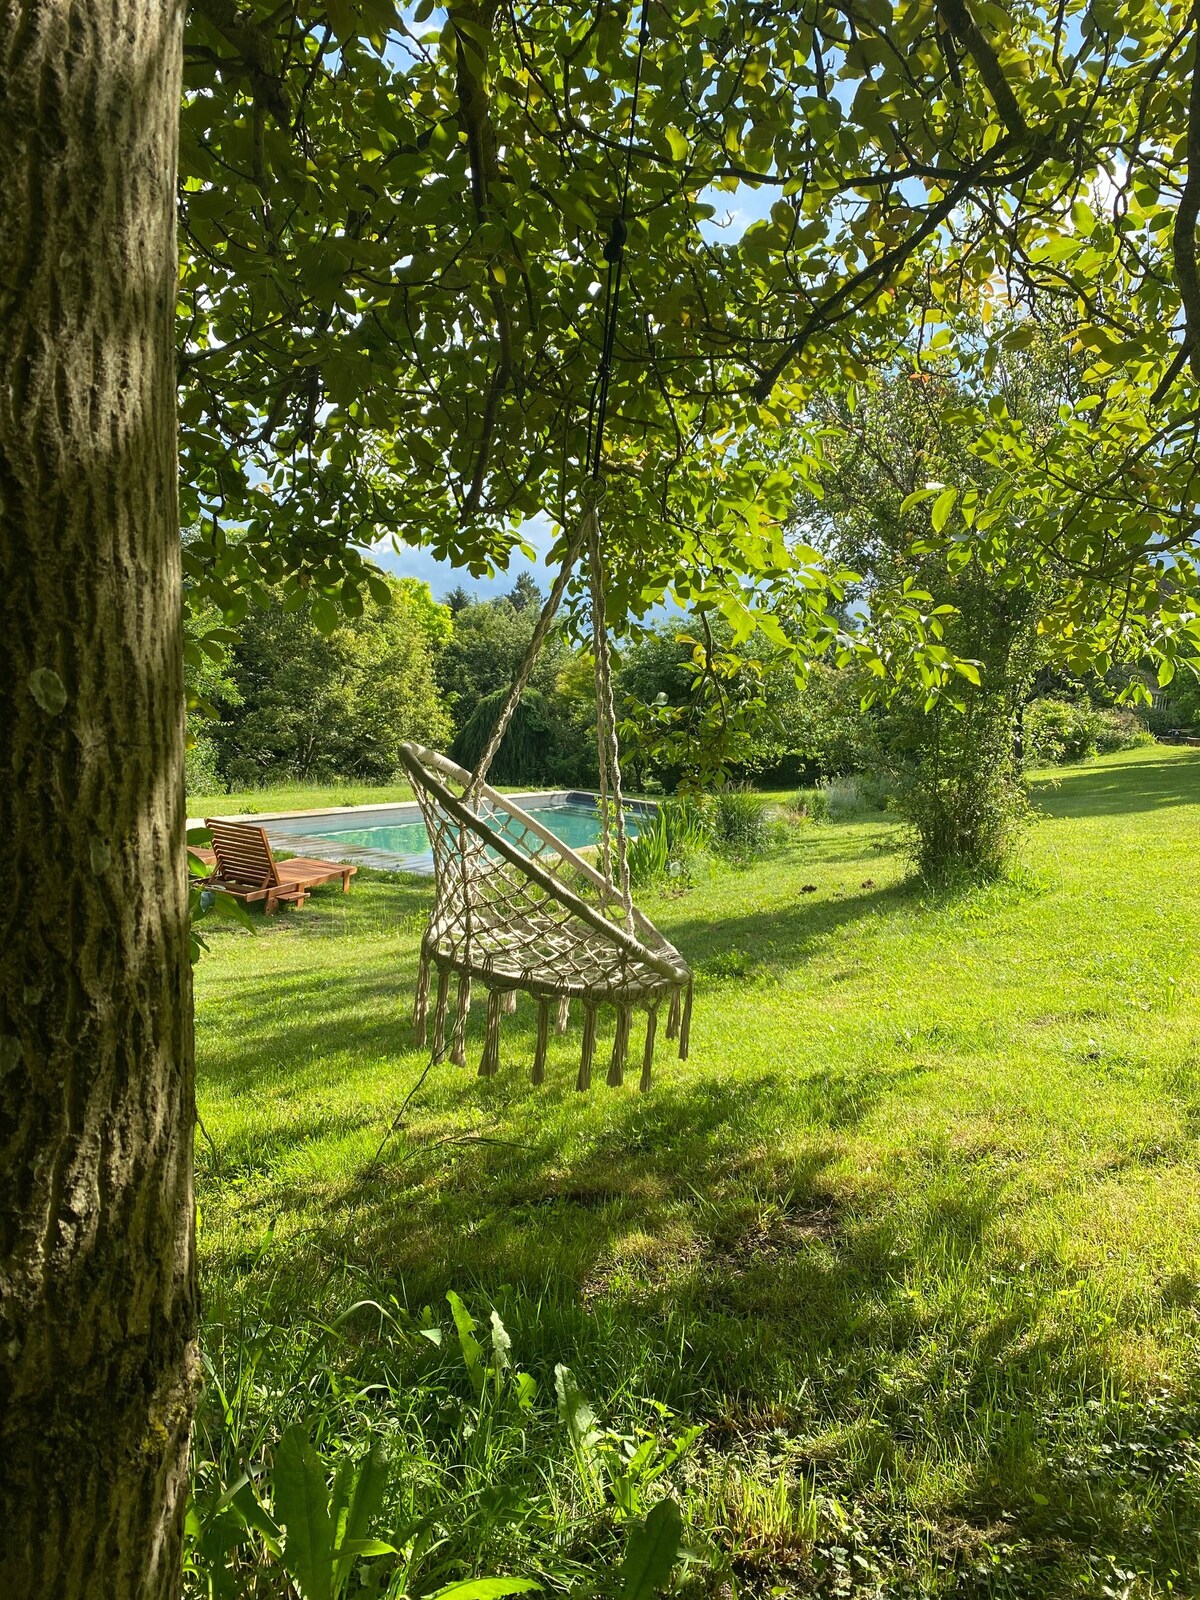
x,y
538,1075
616,1067
648,1053
685,1027
439,1014
490,1063
564,1015
421,1003
673,1015
458,1050
584,1080
508,1002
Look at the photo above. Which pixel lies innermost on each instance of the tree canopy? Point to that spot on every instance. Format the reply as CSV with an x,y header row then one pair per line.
x,y
395,225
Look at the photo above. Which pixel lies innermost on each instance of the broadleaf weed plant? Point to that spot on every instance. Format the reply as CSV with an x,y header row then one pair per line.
x,y
385,1456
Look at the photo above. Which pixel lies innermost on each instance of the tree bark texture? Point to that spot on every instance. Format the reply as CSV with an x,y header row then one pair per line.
x,y
98,1365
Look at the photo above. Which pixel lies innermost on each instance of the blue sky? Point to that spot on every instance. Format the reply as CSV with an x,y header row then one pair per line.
x,y
442,576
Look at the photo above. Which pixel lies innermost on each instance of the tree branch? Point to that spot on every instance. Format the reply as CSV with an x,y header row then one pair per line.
x,y
1183,234
256,54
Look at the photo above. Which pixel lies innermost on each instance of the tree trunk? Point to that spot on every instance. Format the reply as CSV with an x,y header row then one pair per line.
x,y
98,1365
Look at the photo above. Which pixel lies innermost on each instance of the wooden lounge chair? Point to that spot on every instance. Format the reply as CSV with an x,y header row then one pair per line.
x,y
247,869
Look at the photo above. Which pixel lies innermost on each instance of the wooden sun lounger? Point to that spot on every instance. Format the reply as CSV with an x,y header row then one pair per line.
x,y
247,869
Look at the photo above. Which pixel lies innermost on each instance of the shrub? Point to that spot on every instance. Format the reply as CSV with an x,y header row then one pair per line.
x,y
1060,731
1121,728
739,824
964,802
844,798
812,805
202,767
878,791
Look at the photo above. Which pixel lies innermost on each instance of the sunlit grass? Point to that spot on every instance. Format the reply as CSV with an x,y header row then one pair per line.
x,y
275,797
915,1232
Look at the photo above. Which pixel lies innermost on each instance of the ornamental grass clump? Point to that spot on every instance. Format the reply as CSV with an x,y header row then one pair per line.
x,y
671,844
740,828
809,805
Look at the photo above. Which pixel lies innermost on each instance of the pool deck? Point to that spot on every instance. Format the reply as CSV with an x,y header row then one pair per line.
x,y
307,832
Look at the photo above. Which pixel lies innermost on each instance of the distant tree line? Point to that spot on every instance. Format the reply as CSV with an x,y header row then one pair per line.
x,y
290,701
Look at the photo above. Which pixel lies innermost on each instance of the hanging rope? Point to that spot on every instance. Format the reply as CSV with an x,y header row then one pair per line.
x,y
587,538
612,815
525,670
614,254
612,801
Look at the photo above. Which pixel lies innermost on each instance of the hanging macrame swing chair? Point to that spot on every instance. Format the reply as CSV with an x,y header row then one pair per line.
x,y
516,909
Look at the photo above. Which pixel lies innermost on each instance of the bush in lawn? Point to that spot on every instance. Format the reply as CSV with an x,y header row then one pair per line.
x,y
1121,728
843,798
739,824
1058,731
810,805
963,798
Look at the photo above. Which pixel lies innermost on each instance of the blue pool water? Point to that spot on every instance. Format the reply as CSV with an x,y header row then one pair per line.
x,y
576,826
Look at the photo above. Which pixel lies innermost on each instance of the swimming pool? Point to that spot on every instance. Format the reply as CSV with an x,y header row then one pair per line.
x,y
393,837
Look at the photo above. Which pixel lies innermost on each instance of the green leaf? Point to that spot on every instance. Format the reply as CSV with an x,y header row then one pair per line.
x,y
324,614
369,1486
501,1342
380,591
942,507
574,1409
341,19
252,1512
577,210
651,1553
229,906
485,1589
301,1504
677,142
472,1350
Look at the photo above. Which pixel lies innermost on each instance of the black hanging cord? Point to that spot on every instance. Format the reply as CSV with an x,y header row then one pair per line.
x,y
614,254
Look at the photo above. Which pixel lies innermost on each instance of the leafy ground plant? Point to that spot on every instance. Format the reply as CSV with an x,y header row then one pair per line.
x,y
409,1486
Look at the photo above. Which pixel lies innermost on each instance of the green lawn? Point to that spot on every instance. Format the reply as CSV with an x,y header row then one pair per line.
x,y
272,798
915,1233
296,797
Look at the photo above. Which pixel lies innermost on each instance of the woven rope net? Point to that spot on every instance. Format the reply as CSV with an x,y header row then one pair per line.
x,y
516,909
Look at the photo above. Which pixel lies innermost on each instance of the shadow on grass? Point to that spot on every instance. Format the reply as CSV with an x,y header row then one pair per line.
x,y
1145,786
670,1258
377,902
785,932
330,1018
